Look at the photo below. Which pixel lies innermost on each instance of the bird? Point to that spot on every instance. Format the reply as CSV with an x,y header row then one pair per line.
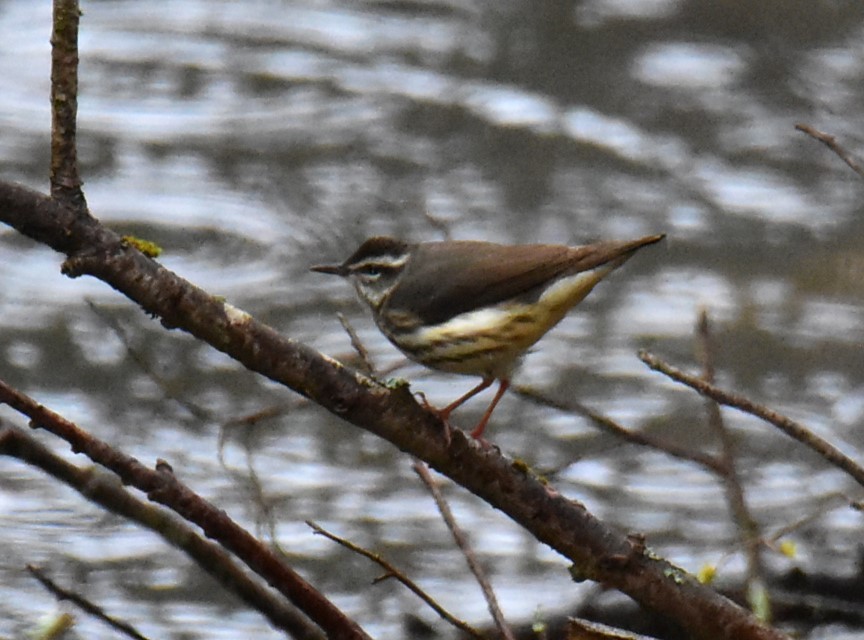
x,y
472,307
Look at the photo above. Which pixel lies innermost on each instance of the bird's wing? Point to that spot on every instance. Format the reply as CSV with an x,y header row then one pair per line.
x,y
443,280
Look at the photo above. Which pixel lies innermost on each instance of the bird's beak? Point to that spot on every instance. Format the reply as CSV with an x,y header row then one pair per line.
x,y
333,269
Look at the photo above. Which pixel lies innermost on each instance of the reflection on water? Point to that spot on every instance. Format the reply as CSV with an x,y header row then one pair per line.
x,y
253,139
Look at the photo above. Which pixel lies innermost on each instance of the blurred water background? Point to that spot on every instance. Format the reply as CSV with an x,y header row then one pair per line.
x,y
253,139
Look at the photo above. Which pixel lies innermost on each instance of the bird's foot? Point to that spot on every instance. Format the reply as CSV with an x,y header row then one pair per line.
x,y
443,415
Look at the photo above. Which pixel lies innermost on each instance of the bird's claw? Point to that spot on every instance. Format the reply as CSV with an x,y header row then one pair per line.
x,y
442,415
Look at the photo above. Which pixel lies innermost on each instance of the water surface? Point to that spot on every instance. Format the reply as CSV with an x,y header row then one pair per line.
x,y
253,139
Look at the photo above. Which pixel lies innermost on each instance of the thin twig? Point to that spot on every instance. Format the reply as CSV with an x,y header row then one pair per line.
x,y
357,343
439,224
589,630
465,547
84,604
609,425
199,413
366,364
792,428
393,572
831,142
749,531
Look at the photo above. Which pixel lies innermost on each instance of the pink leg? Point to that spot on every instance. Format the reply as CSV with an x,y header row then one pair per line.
x,y
446,411
478,430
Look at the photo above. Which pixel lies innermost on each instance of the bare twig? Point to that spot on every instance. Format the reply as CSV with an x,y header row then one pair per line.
x,y
439,224
393,572
364,362
65,180
609,425
357,343
250,420
827,503
831,142
199,413
579,629
465,547
750,534
792,428
84,604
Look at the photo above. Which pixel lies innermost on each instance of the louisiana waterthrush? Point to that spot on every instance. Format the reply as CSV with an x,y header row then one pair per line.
x,y
475,307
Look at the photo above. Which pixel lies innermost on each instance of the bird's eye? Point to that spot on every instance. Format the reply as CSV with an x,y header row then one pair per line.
x,y
372,272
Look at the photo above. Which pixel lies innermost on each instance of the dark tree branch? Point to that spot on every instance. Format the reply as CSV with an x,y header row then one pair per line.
x,y
104,489
163,487
597,551
65,179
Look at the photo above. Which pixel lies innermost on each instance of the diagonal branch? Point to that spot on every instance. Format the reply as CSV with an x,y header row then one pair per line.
x,y
461,540
598,552
163,487
831,142
789,426
607,424
104,489
84,604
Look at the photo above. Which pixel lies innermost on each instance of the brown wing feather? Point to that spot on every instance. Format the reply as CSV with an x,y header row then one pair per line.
x,y
443,280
